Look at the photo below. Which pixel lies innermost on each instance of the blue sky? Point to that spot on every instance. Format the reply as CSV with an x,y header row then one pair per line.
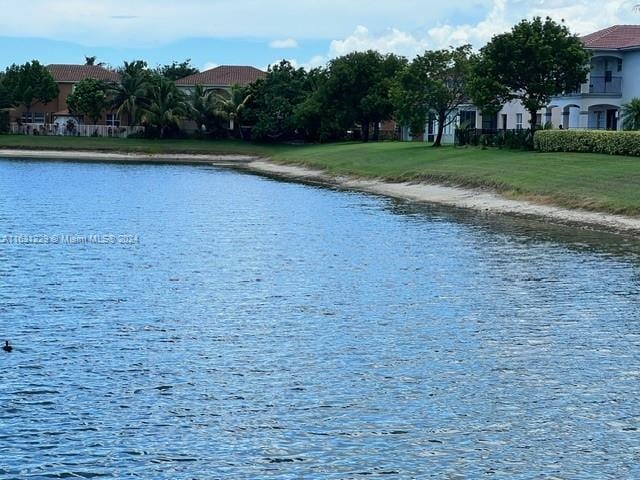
x,y
261,32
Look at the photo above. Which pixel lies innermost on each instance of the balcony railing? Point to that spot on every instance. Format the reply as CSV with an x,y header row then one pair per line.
x,y
75,130
608,85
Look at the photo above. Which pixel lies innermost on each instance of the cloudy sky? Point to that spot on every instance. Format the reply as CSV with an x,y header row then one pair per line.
x,y
261,32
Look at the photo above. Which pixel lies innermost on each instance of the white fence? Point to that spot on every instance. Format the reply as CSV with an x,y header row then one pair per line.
x,y
75,130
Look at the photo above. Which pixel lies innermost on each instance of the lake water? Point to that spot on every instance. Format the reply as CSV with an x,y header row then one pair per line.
x,y
214,324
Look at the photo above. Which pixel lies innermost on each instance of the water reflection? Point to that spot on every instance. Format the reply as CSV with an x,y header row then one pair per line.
x,y
273,330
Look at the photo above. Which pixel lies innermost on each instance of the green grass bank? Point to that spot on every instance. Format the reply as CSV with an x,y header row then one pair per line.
x,y
576,180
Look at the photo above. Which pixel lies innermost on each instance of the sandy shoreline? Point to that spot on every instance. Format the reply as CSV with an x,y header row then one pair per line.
x,y
469,198
89,156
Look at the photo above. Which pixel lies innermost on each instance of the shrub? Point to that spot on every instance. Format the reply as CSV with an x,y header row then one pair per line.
x,y
588,141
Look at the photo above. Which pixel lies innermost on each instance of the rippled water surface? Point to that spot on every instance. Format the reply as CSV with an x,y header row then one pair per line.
x,y
262,329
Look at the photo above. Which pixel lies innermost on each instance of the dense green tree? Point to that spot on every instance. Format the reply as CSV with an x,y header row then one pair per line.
x,y
357,90
631,114
177,70
536,60
167,105
89,98
29,83
434,83
129,96
5,106
273,101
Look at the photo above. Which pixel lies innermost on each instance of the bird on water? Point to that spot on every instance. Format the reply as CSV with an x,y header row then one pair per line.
x,y
7,348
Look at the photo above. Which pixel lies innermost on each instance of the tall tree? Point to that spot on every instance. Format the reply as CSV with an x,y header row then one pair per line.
x,y
434,83
129,96
204,109
30,83
177,70
535,61
273,102
232,105
5,105
357,89
167,106
89,98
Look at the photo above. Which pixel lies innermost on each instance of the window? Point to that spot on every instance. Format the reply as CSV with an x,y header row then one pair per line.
x,y
113,120
518,121
37,117
468,119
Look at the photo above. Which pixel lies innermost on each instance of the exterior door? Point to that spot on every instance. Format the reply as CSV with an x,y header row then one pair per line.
x,y
612,119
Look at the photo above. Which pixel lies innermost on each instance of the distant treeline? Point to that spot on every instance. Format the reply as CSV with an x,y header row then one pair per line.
x,y
536,60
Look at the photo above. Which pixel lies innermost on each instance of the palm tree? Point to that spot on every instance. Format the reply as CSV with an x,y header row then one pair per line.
x,y
233,104
631,114
167,106
204,108
129,96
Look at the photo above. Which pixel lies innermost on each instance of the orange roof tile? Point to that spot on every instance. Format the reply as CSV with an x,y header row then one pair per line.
x,y
614,38
75,73
224,76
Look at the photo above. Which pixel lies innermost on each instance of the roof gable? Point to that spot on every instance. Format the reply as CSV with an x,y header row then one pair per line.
x,y
617,37
224,76
75,73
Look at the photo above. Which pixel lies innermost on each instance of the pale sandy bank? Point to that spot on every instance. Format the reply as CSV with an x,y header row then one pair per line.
x,y
457,197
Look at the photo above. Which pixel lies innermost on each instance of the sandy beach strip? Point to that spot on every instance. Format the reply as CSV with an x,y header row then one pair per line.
x,y
475,199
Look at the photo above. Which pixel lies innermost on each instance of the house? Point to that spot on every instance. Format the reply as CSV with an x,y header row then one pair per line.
x,y
54,116
615,54
612,82
221,80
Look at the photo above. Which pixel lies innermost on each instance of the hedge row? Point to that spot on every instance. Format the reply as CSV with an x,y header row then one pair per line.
x,y
588,141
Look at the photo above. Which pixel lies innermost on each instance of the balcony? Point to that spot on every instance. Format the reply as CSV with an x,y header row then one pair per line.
x,y
599,85
606,85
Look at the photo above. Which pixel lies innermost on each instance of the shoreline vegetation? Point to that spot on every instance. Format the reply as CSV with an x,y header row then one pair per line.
x,y
575,188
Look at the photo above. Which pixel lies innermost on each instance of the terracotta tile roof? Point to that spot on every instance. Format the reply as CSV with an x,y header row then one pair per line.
x,y
75,73
614,38
224,76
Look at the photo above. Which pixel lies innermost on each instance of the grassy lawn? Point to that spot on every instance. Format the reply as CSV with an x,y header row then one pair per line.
x,y
590,181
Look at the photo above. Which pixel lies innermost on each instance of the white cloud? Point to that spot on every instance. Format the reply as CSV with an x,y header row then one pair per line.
x,y
287,43
209,66
581,16
156,22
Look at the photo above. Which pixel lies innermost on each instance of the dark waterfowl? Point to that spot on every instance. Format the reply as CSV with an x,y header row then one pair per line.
x,y
7,348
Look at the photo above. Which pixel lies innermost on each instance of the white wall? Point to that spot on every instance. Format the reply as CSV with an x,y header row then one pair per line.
x,y
630,76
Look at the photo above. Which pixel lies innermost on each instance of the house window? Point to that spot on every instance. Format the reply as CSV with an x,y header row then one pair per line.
x,y
37,117
518,121
113,120
468,119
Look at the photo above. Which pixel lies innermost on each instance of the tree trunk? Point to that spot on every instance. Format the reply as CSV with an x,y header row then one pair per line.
x,y
365,131
534,120
441,120
376,131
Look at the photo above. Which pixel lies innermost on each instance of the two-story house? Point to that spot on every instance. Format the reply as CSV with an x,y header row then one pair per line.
x,y
54,116
613,81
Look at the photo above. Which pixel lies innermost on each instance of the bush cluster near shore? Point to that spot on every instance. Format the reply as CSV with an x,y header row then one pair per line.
x,y
588,141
